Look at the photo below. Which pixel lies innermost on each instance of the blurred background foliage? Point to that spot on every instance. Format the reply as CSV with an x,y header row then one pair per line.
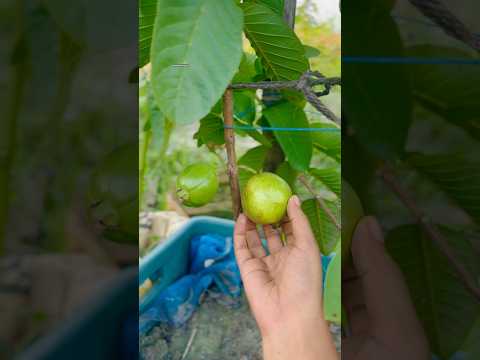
x,y
164,159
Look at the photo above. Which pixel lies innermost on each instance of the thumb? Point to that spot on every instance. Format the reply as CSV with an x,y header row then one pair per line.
x,y
386,295
299,226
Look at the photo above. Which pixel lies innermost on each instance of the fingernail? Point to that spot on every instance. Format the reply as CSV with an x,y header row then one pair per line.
x,y
296,200
374,229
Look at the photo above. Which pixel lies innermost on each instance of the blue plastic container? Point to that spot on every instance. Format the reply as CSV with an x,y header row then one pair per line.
x,y
169,260
98,329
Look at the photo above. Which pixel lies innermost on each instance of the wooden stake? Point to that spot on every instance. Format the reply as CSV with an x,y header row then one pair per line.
x,y
230,147
289,10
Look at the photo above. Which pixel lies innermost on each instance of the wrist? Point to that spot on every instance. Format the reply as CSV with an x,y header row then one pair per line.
x,y
307,338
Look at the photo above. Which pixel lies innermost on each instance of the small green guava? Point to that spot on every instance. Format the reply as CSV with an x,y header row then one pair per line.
x,y
352,212
197,184
265,198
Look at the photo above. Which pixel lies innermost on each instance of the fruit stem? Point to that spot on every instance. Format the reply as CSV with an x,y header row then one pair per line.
x,y
230,147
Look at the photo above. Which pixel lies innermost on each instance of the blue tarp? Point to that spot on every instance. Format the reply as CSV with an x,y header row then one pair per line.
x,y
212,267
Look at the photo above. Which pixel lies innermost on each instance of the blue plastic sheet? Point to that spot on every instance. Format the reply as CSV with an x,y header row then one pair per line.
x,y
212,267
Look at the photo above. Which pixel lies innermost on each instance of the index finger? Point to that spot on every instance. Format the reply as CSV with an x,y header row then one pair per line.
x,y
242,251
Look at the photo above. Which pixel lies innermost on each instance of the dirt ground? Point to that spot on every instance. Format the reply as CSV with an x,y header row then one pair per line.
x,y
217,331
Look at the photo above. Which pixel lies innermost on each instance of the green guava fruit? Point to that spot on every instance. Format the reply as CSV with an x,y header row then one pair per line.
x,y
265,198
113,195
197,184
352,212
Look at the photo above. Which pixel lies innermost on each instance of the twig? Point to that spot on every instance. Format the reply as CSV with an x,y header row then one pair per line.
x,y
324,206
386,173
443,17
306,85
230,147
292,84
189,344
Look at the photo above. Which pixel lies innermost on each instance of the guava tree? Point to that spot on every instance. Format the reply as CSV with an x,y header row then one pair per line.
x,y
201,73
400,158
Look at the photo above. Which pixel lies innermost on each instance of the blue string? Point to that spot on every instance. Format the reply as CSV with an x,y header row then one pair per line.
x,y
407,60
268,128
410,60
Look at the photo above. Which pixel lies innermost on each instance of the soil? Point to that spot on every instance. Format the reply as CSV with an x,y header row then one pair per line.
x,y
217,331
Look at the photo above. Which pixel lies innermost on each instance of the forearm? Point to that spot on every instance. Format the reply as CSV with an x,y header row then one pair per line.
x,y
308,339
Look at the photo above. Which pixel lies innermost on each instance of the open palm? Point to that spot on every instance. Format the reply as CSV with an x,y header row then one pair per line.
x,y
285,280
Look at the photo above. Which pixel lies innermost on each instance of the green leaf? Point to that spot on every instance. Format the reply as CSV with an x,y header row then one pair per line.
x,y
328,142
324,230
446,88
297,145
332,294
445,307
146,18
472,346
377,99
244,107
276,5
281,52
210,131
287,173
458,175
154,120
254,158
246,71
330,177
206,37
311,52
251,163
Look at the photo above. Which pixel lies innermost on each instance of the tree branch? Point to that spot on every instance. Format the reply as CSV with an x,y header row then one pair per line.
x,y
388,177
230,147
305,84
324,206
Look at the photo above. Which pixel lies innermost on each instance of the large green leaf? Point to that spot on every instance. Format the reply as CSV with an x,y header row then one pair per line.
x,y
275,5
377,100
287,173
254,158
196,50
447,88
332,294
330,177
329,142
324,230
251,163
210,131
146,18
471,347
246,71
297,145
282,53
458,175
445,307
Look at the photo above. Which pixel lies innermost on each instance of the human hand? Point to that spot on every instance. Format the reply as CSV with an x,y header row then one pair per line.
x,y
381,316
284,288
